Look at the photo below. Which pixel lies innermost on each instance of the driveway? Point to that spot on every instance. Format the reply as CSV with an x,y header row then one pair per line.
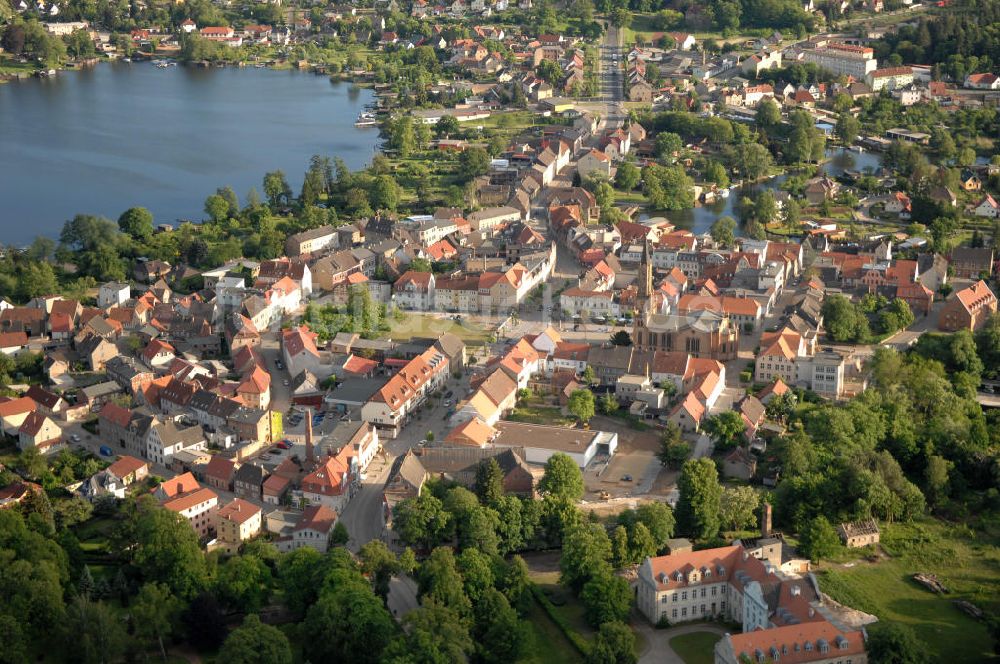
x,y
658,650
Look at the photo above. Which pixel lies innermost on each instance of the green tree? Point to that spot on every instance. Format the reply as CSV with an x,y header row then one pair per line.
x,y
641,543
379,563
136,222
843,321
608,404
489,481
166,549
606,598
277,189
216,208
385,193
92,632
435,634
588,377
340,536
668,187
726,429
848,128
244,583
673,450
895,643
354,623
300,572
562,478
474,162
154,612
581,405
818,540
627,176
716,172
698,506
937,480
791,213
15,648
768,114
253,642
752,160
447,126
586,553
668,144
658,518
620,553
499,635
621,338
421,520
615,644
440,581
738,508
723,231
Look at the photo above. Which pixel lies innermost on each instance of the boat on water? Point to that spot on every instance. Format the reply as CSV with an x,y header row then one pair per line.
x,y
724,193
163,64
366,120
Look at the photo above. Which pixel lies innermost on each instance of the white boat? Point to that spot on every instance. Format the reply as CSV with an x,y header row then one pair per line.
x,y
366,120
724,193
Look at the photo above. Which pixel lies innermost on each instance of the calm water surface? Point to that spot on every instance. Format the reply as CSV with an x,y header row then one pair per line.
x,y
700,219
104,139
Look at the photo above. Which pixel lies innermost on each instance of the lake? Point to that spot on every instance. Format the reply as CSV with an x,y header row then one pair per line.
x,y
104,139
700,219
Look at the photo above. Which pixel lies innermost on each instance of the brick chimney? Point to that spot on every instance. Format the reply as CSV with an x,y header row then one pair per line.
x,y
765,520
310,452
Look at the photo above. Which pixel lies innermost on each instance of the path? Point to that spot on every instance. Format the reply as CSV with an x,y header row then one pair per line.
x,y
658,650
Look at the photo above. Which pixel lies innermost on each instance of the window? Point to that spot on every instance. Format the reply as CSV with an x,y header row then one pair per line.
x,y
723,606
703,592
673,614
663,600
674,597
684,612
713,590
684,595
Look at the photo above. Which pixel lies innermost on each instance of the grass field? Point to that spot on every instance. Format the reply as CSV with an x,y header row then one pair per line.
x,y
965,559
545,643
540,415
418,325
696,647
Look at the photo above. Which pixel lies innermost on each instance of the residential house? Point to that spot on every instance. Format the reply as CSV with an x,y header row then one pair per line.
x,y
414,291
237,522
971,262
313,529
594,161
390,406
39,431
968,308
219,473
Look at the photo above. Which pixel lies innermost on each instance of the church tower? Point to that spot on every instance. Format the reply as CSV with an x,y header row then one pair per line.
x,y
645,285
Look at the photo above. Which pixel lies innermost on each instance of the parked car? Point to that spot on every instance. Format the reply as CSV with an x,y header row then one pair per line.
x,y
106,451
626,478
283,444
75,438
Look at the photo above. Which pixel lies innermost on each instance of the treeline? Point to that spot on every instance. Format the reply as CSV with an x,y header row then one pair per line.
x,y
916,439
961,40
486,523
92,249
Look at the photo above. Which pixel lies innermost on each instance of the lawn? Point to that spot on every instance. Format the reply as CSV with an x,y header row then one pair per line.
x,y
540,415
966,560
696,647
419,325
544,642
